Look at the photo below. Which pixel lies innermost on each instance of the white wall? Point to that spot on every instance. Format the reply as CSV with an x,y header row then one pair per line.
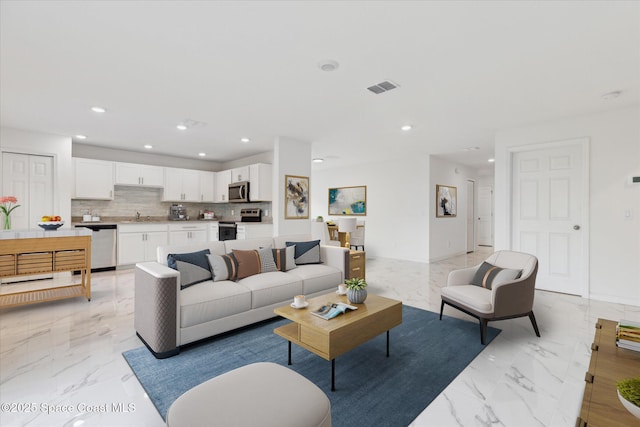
x,y
448,236
290,157
397,204
614,272
59,147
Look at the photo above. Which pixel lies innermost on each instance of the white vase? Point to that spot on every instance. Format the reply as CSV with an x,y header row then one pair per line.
x,y
635,410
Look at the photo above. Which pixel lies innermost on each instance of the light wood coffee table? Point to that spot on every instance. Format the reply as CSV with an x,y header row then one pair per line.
x,y
334,337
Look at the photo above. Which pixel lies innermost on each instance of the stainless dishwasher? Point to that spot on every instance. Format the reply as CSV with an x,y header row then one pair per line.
x,y
103,246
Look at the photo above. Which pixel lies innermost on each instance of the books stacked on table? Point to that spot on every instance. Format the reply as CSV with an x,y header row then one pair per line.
x,y
628,335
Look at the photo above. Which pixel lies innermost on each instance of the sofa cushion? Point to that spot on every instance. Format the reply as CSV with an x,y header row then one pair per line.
x,y
306,252
488,274
193,267
271,288
223,267
209,301
317,277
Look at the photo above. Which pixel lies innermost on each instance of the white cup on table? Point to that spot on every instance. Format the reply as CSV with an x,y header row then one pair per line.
x,y
342,289
299,300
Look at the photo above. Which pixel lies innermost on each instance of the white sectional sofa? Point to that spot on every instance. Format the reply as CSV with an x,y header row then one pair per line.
x,y
167,316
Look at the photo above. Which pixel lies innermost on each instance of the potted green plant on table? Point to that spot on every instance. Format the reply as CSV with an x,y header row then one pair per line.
x,y
629,395
356,290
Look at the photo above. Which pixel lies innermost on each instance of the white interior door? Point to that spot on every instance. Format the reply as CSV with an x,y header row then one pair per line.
x,y
30,179
471,215
485,215
548,215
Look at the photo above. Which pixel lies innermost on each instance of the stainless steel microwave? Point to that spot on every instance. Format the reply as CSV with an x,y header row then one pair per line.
x,y
239,192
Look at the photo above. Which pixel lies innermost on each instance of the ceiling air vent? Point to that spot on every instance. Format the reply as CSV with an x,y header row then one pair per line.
x,y
382,87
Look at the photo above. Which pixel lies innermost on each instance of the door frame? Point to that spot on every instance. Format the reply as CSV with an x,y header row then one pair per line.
x,y
583,143
472,207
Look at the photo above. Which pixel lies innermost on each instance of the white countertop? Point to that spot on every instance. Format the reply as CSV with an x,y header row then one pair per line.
x,y
37,232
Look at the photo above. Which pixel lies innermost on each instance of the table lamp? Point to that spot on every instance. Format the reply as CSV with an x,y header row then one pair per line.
x,y
347,226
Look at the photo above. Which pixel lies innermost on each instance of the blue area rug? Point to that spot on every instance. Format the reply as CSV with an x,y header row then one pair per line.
x,y
425,356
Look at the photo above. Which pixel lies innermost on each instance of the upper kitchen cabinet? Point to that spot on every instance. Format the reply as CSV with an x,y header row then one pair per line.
x,y
207,186
223,179
240,174
139,175
181,185
93,179
260,185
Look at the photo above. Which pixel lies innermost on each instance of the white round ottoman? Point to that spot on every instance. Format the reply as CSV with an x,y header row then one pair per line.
x,y
260,394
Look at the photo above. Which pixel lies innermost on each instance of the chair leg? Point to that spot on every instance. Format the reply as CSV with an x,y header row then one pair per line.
x,y
535,325
441,308
483,331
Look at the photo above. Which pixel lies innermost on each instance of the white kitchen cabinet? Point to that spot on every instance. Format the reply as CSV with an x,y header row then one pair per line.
x,y
240,174
223,179
207,186
139,175
185,233
260,185
181,185
214,232
139,242
253,231
93,179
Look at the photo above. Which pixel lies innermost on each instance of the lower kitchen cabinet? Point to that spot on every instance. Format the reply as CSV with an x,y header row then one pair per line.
x,y
214,232
139,242
253,231
182,234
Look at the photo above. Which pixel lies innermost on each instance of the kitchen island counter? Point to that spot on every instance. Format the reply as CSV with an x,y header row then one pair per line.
x,y
26,253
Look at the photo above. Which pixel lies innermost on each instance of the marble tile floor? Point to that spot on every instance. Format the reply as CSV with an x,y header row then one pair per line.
x,y
61,362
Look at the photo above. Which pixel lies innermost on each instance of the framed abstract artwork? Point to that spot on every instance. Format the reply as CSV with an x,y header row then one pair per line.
x,y
348,200
296,192
446,201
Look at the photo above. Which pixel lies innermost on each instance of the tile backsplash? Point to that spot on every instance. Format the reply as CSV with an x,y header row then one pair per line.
x,y
148,201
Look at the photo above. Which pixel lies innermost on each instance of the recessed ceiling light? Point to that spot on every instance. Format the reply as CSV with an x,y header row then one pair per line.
x,y
318,160
81,136
491,160
181,127
328,65
202,154
406,127
611,95
148,146
244,140
98,109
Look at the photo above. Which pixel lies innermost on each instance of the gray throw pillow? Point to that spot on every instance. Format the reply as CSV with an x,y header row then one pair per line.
x,y
267,263
489,275
223,267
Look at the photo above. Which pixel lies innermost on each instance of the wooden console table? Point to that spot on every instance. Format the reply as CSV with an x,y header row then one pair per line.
x,y
28,256
609,364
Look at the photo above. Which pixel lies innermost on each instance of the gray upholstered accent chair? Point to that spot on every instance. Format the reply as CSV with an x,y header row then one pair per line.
x,y
500,293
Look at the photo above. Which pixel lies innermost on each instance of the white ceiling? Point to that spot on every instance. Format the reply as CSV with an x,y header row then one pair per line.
x,y
250,69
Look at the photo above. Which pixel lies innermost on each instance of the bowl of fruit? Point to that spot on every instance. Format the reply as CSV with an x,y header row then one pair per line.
x,y
50,223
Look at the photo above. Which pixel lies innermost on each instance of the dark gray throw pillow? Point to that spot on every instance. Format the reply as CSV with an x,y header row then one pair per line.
x,y
488,274
193,267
